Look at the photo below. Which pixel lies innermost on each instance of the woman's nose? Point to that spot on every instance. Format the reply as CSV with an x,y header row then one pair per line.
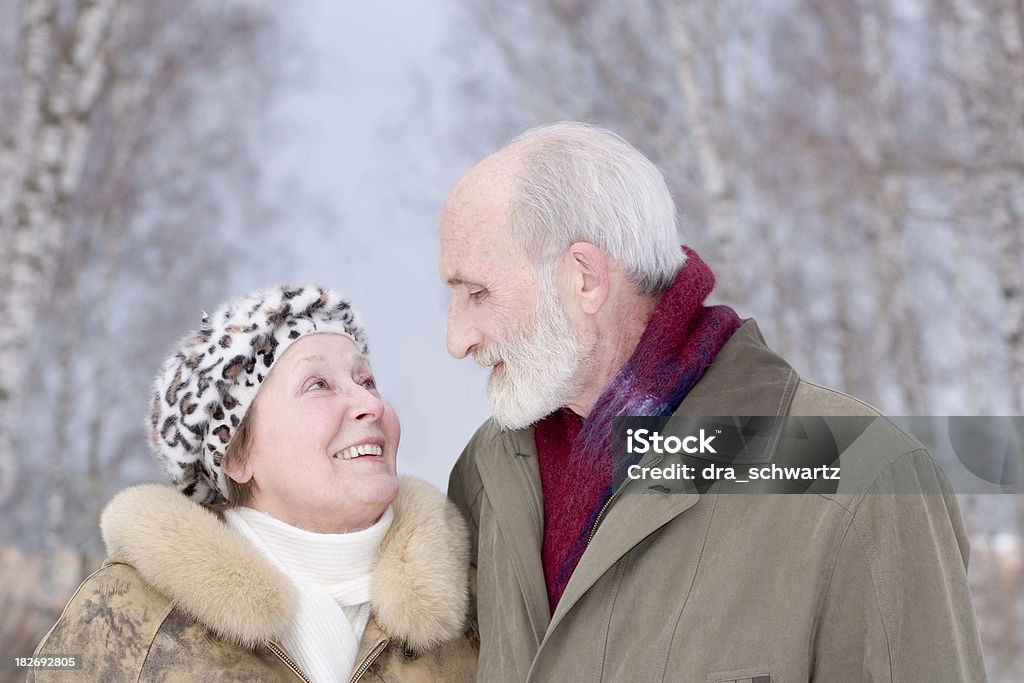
x,y
366,405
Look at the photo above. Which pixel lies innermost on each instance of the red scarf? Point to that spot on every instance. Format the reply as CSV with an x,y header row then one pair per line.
x,y
577,470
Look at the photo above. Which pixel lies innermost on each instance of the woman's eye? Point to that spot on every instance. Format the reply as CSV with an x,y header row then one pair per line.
x,y
478,295
369,383
318,384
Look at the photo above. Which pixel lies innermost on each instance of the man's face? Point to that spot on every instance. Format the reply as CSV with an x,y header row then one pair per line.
x,y
501,312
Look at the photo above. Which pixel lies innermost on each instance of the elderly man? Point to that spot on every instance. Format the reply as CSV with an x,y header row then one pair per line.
x,y
567,279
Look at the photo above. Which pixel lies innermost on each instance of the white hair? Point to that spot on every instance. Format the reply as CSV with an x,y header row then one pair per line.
x,y
581,183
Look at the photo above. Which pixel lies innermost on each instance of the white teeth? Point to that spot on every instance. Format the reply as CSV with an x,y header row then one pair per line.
x,y
361,449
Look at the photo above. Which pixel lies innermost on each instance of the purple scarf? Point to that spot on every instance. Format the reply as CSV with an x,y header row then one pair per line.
x,y
577,470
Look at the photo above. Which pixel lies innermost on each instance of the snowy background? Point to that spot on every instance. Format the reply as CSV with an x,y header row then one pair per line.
x,y
854,172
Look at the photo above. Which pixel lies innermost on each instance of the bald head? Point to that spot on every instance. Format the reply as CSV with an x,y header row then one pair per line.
x,y
482,198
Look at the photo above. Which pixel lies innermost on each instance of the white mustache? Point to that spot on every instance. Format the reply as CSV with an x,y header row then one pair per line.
x,y
486,358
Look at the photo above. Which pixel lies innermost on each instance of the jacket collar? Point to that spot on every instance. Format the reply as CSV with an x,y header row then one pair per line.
x,y
419,588
746,378
511,477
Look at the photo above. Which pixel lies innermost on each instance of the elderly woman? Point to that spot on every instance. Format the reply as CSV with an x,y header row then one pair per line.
x,y
290,549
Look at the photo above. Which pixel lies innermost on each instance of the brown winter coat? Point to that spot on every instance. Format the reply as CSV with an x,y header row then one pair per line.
x,y
865,585
182,597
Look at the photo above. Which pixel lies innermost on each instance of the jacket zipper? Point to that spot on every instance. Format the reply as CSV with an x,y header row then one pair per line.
x,y
374,653
283,656
611,499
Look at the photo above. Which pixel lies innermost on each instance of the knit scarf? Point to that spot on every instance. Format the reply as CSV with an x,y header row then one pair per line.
x,y
577,468
331,574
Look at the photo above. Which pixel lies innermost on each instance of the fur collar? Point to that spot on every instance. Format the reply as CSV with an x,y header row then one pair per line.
x,y
188,554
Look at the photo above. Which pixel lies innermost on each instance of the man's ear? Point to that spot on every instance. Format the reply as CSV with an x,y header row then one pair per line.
x,y
239,474
588,276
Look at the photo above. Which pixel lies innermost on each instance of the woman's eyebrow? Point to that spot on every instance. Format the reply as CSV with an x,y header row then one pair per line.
x,y
362,363
313,358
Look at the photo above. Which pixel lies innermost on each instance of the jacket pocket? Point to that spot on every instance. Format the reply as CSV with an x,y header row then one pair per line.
x,y
749,675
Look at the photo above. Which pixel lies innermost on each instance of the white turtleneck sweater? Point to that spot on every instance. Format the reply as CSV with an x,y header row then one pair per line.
x,y
332,575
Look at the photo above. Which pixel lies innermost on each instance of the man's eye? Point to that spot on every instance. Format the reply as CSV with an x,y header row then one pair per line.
x,y
478,295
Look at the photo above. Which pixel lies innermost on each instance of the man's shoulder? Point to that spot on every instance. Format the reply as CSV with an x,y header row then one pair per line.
x,y
876,453
847,412
814,399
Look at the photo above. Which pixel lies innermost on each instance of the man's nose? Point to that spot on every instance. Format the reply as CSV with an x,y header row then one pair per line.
x,y
463,336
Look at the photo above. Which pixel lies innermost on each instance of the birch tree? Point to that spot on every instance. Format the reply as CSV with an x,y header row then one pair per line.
x,y
63,73
166,183
702,109
886,197
961,207
982,70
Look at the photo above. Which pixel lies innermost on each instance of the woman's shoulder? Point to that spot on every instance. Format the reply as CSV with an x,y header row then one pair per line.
x,y
117,600
205,568
125,630
111,621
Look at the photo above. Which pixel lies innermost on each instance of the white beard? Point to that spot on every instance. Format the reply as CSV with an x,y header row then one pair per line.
x,y
543,366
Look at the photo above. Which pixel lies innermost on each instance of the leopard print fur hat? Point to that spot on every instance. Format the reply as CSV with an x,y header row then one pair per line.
x,y
205,388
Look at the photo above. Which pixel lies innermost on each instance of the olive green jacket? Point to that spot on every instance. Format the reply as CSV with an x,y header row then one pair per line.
x,y
715,586
182,597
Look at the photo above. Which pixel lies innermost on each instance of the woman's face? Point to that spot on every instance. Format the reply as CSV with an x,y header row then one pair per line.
x,y
324,442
